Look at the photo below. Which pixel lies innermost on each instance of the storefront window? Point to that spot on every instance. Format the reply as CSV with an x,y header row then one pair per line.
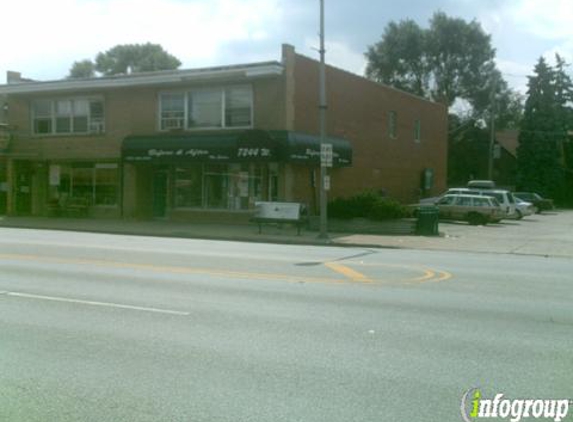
x,y
97,184
82,182
189,187
216,186
106,177
231,187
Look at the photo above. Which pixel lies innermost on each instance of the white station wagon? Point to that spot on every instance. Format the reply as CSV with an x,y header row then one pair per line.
x,y
475,209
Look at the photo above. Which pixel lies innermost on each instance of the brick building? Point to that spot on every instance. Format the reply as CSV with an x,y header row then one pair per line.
x,y
209,143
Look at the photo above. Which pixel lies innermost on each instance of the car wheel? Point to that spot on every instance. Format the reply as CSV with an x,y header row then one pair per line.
x,y
519,214
474,219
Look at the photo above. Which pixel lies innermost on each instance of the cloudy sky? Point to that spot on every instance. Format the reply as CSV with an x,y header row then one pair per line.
x,y
43,38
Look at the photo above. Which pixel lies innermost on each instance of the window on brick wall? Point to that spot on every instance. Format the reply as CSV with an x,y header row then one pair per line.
x,y
392,118
207,108
417,130
172,111
67,116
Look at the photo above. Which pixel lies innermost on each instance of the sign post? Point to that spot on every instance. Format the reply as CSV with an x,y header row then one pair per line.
x,y
323,146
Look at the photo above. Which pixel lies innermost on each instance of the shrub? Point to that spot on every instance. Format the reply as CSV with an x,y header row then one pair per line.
x,y
367,204
386,209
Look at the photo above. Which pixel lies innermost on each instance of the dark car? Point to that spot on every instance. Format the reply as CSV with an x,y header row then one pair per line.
x,y
542,204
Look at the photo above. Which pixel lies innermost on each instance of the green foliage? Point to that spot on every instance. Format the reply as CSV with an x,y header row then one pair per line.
x,y
451,60
125,59
400,60
543,139
82,69
367,204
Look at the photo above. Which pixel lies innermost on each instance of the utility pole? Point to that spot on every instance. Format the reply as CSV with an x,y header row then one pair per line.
x,y
322,111
492,133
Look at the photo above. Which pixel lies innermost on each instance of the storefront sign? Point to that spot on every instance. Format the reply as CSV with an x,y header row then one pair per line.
x,y
253,152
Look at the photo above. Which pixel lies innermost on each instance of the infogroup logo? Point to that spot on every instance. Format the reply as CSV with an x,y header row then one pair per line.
x,y
474,407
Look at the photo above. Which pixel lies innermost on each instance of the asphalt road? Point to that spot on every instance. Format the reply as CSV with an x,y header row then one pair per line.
x,y
119,328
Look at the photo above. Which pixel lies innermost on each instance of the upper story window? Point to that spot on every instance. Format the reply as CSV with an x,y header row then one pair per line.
x,y
417,131
76,115
392,117
207,108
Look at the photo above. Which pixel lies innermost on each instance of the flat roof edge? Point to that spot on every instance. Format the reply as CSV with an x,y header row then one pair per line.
x,y
149,78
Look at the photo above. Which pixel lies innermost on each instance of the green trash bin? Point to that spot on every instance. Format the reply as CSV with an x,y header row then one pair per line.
x,y
428,218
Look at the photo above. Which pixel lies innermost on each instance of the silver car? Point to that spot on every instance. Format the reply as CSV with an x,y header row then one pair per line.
x,y
475,209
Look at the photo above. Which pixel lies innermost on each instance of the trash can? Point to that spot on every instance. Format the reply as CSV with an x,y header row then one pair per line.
x,y
427,223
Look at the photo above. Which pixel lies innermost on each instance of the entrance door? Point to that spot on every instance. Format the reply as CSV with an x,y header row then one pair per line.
x,y
159,194
23,189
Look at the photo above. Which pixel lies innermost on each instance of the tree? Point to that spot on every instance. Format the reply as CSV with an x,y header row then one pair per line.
x,y
82,69
450,60
543,135
400,59
125,59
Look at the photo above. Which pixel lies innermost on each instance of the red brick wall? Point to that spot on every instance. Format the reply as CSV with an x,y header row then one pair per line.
x,y
128,111
358,111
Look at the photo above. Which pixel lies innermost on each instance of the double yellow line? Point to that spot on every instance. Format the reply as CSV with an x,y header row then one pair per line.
x,y
350,274
430,275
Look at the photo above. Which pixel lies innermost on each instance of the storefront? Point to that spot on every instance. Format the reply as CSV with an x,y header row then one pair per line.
x,y
177,175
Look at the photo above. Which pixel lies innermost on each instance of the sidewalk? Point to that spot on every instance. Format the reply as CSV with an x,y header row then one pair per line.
x,y
545,235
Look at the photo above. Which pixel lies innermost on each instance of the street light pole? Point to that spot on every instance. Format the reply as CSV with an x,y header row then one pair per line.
x,y
492,133
322,111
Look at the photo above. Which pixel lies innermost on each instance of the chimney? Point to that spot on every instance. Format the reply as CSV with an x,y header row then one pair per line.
x,y
16,78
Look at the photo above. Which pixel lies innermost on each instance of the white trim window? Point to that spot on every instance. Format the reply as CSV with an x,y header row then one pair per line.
x,y
172,111
207,108
67,116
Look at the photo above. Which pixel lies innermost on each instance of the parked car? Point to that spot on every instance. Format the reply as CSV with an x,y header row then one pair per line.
x,y
524,208
504,197
481,184
542,204
475,209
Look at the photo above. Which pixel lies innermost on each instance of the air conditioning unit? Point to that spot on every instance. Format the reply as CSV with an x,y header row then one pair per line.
x,y
96,127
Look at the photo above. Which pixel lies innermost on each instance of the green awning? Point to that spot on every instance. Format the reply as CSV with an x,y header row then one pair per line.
x,y
232,147
303,148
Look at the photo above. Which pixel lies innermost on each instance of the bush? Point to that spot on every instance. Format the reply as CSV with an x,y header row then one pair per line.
x,y
366,204
386,209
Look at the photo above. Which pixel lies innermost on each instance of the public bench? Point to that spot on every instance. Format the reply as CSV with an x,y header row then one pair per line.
x,y
278,213
68,207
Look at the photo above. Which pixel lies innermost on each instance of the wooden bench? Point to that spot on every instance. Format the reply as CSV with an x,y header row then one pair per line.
x,y
68,207
279,212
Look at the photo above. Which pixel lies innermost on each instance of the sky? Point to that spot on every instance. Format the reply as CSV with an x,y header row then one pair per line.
x,y
41,39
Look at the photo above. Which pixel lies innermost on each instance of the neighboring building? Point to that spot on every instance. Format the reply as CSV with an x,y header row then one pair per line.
x,y
4,142
209,143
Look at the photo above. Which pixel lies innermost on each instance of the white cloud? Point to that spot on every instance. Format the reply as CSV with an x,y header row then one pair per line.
x,y
36,32
548,19
515,74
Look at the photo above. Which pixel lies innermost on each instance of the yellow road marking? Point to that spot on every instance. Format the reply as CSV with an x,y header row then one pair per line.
x,y
173,269
430,275
348,272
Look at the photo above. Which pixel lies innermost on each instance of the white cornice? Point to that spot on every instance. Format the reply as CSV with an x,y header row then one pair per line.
x,y
237,72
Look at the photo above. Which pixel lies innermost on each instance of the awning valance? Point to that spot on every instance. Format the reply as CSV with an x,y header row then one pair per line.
x,y
246,146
